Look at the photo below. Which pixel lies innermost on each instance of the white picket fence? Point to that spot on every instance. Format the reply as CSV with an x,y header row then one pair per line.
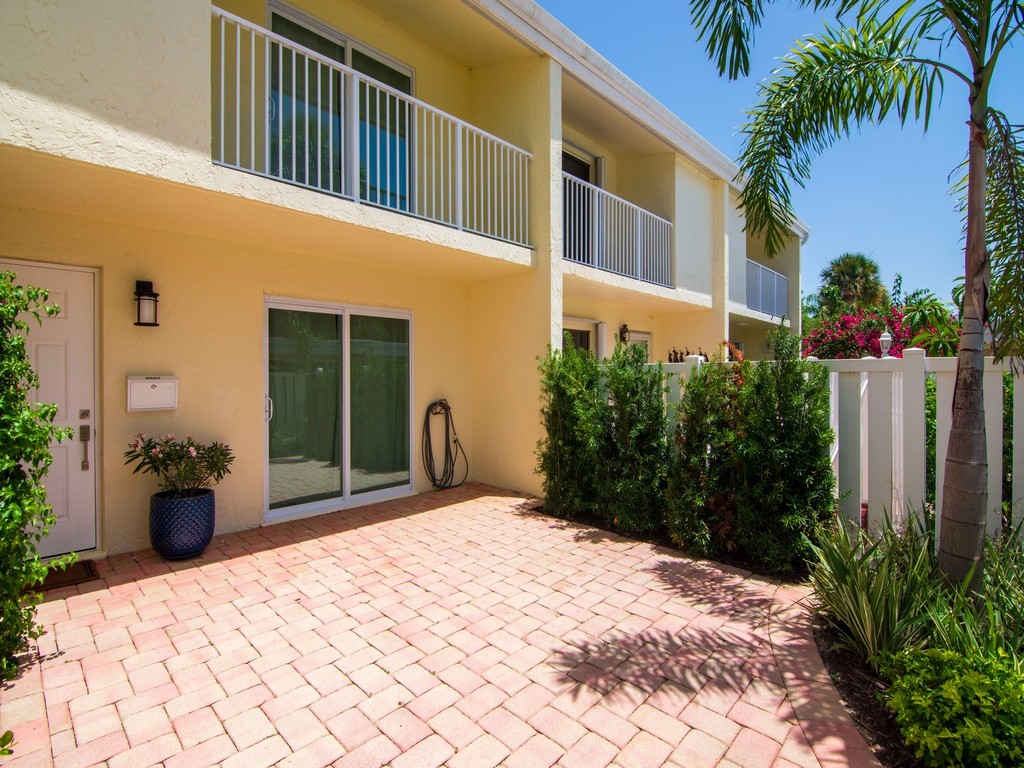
x,y
878,417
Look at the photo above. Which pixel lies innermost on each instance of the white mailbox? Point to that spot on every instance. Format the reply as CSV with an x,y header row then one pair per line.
x,y
152,393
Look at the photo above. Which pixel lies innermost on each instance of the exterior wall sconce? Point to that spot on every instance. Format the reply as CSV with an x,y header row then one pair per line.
x,y
885,341
624,334
145,303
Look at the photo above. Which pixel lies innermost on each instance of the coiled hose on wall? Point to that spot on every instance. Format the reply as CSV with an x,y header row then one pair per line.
x,y
452,447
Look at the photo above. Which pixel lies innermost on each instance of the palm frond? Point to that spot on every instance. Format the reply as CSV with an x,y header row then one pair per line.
x,y
825,87
1004,214
728,27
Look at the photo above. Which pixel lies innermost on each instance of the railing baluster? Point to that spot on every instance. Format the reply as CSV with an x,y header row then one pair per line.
x,y
471,180
238,95
252,97
222,97
612,234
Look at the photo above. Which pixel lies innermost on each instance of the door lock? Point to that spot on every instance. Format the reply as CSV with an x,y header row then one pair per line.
x,y
84,433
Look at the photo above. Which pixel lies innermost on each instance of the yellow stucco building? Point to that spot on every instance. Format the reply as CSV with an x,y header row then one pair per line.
x,y
349,209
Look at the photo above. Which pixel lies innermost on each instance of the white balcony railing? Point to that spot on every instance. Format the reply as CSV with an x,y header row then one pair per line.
x,y
284,111
767,290
608,233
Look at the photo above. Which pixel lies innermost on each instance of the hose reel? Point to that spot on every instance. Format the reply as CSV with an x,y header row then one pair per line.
x,y
452,447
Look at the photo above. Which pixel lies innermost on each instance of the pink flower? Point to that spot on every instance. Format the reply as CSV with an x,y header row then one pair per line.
x,y
191,451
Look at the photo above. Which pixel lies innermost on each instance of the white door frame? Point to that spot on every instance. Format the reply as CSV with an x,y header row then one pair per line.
x,y
97,407
347,500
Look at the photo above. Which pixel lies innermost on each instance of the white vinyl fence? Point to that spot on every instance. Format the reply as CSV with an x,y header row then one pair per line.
x,y
878,417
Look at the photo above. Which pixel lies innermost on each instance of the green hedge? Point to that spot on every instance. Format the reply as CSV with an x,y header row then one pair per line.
x,y
750,472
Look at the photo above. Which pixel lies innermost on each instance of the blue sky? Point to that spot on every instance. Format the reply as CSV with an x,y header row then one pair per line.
x,y
882,192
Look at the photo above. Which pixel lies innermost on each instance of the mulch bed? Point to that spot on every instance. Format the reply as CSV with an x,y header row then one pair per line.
x,y
859,689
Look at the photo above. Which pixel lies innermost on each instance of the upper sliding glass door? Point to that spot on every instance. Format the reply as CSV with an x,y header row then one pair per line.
x,y
306,138
307,135
338,387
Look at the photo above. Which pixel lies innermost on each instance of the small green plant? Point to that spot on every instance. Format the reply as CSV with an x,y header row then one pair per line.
x,y
634,454
26,432
567,455
991,622
874,592
183,466
958,710
701,513
784,479
6,742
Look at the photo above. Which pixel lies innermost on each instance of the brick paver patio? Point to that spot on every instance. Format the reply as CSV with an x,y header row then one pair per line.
x,y
454,628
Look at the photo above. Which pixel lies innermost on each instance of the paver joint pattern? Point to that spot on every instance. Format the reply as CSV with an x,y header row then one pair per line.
x,y
456,628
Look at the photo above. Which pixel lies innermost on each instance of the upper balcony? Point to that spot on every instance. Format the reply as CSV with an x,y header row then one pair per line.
x,y
767,290
287,112
614,235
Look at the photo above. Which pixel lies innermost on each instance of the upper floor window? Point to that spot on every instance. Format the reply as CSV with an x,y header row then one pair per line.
x,y
306,113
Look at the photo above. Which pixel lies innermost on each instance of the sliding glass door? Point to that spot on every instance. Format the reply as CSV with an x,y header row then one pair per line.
x,y
338,400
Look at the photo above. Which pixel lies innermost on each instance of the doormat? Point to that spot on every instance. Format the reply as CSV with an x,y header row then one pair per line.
x,y
79,573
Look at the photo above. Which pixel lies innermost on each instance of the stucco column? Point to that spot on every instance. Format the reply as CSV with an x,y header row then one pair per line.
x,y
515,318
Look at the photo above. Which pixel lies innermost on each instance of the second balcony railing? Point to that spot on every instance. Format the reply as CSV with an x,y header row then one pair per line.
x,y
611,234
289,113
767,290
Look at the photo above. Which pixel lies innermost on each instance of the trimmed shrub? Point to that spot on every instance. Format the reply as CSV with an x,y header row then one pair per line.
x,y
568,455
634,454
784,480
701,514
958,710
26,431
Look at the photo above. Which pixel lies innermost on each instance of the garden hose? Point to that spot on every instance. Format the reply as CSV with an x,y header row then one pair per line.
x,y
452,447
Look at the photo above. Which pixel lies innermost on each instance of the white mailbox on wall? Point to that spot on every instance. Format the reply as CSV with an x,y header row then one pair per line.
x,y
152,393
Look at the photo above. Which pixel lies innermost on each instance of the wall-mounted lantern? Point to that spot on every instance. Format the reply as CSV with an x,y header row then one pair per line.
x,y
624,334
145,303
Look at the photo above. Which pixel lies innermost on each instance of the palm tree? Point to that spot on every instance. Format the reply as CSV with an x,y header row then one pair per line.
x,y
857,280
871,65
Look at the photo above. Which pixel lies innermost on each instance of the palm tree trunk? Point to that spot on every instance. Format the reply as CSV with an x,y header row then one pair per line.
x,y
965,488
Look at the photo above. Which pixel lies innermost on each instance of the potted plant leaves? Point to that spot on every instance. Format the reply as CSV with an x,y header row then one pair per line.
x,y
183,514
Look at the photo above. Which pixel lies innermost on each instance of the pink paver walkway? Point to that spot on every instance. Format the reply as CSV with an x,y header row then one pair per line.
x,y
454,628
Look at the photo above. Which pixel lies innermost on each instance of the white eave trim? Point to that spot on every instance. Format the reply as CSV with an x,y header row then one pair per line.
x,y
542,31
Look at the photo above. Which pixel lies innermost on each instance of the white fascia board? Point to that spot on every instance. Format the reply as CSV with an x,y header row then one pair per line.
x,y
542,31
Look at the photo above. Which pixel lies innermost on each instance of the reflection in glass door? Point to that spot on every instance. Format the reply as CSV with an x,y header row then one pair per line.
x,y
305,377
380,402
338,386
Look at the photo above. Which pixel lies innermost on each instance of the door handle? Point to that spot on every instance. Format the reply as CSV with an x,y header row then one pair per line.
x,y
84,433
269,409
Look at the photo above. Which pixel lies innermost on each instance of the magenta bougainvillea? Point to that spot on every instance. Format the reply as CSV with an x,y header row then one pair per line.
x,y
852,336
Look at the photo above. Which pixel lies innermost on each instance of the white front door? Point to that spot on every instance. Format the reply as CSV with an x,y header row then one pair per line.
x,y
62,351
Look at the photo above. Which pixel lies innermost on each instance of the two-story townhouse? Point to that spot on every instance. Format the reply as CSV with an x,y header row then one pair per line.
x,y
349,209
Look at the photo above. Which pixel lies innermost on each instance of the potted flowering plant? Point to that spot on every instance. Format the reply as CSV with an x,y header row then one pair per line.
x,y
182,514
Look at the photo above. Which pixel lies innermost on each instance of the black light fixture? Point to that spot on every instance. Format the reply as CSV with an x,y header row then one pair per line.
x,y
145,303
624,334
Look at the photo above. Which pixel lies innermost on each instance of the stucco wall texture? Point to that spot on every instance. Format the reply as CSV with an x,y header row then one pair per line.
x,y
105,137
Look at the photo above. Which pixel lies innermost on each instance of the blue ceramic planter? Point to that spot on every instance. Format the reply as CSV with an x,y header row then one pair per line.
x,y
180,527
